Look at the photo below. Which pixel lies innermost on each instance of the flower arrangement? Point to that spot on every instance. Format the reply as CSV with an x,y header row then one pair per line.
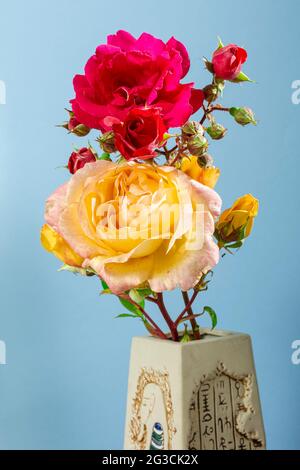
x,y
142,214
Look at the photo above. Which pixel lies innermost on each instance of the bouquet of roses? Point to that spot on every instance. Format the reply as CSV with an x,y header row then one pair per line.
x,y
142,214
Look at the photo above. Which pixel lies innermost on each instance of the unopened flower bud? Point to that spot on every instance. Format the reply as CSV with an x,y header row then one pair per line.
x,y
205,160
243,116
74,126
212,92
79,158
216,131
107,142
190,129
197,145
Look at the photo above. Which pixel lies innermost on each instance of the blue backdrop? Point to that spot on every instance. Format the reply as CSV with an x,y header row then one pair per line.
x,y
64,385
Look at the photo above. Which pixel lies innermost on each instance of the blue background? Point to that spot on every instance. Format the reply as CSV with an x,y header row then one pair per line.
x,y
65,382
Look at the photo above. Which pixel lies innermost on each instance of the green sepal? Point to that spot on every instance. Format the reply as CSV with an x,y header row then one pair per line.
x,y
77,270
105,156
235,245
220,43
208,65
242,77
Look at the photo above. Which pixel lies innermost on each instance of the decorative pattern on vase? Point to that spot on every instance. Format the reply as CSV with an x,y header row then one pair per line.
x,y
151,423
222,415
157,438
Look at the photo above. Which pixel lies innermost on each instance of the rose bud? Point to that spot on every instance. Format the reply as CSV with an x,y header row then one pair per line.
x,y
140,134
205,160
227,61
216,131
235,224
79,158
212,92
107,142
197,145
74,126
243,116
190,129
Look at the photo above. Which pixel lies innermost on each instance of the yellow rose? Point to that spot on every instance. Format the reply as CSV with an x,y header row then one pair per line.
x,y
133,223
55,244
208,176
236,223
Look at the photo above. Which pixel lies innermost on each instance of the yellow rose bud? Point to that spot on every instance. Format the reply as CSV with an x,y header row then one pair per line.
x,y
236,223
205,175
56,245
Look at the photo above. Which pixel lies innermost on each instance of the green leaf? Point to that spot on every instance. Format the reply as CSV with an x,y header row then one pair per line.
x,y
186,337
242,77
76,270
130,307
136,296
126,315
213,316
190,317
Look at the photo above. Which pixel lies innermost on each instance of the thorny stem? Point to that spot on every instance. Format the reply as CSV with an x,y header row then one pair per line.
x,y
193,321
168,319
190,303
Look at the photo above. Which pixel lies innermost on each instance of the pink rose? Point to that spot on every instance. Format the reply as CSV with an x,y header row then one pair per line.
x,y
128,72
227,61
140,134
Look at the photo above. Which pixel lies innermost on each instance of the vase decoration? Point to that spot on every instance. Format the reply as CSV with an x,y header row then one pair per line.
x,y
143,216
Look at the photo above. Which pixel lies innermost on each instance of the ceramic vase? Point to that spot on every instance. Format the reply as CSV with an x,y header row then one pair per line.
x,y
199,395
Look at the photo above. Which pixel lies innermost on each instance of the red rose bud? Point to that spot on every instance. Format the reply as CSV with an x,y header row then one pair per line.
x,y
227,61
243,116
216,131
140,134
74,126
79,158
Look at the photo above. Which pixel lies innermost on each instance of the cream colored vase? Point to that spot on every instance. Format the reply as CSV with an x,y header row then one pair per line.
x,y
199,395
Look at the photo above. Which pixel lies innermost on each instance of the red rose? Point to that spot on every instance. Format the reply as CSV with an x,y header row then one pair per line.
x,y
128,72
79,158
140,134
227,61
